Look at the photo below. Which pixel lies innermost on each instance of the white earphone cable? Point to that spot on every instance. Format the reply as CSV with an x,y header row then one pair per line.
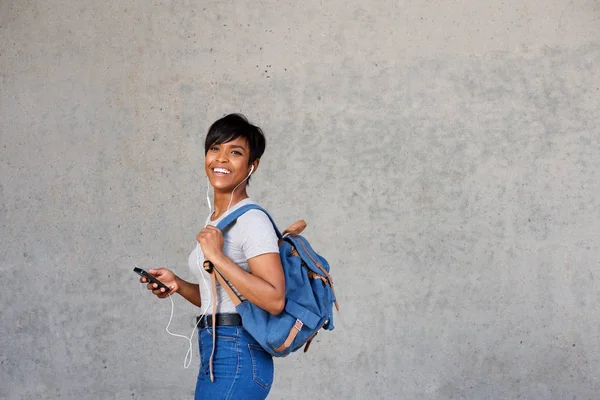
x,y
207,197
238,185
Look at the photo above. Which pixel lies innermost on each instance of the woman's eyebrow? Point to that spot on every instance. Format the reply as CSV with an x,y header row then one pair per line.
x,y
237,146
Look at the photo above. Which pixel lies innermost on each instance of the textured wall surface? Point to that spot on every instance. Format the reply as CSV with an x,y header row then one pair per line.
x,y
445,156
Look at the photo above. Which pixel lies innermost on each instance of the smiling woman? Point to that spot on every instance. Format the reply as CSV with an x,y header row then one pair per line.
x,y
233,364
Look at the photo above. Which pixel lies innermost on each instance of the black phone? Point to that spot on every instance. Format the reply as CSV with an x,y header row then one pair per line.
x,y
151,279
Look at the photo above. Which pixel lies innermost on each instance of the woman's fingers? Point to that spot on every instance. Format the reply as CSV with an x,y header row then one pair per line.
x,y
160,292
208,232
164,275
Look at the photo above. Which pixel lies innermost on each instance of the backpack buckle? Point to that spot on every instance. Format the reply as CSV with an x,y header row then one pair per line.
x,y
298,325
208,266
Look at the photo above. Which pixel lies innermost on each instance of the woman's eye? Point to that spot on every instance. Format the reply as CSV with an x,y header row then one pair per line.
x,y
214,148
237,153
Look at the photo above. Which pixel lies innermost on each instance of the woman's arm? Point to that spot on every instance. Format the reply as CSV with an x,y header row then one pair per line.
x,y
264,286
189,291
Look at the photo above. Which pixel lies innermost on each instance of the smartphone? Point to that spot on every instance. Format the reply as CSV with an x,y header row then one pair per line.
x,y
151,279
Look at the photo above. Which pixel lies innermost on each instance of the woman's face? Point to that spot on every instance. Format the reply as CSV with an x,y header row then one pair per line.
x,y
226,164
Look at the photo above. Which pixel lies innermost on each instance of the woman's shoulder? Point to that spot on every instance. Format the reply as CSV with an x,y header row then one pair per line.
x,y
256,233
254,220
254,216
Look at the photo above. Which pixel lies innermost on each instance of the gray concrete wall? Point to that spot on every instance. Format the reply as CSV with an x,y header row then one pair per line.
x,y
445,155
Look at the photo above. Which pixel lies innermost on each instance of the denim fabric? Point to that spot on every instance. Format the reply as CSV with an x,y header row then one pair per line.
x,y
242,369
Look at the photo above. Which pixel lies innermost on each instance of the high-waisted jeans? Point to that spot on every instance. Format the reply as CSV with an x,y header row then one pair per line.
x,y
241,368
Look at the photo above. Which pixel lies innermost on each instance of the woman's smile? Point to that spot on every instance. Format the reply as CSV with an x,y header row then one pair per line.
x,y
221,171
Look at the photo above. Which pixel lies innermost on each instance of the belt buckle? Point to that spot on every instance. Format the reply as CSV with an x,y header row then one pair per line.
x,y
203,322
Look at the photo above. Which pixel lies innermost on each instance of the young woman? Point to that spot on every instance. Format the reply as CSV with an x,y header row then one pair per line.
x,y
247,255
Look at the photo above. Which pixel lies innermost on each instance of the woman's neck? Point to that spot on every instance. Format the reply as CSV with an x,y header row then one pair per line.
x,y
224,200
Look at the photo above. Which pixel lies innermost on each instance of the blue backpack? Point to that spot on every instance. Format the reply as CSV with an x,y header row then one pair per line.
x,y
309,294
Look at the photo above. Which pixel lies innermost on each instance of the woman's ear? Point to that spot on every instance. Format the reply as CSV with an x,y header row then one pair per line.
x,y
254,166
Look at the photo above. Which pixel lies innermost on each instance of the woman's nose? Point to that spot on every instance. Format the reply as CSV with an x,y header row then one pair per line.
x,y
222,156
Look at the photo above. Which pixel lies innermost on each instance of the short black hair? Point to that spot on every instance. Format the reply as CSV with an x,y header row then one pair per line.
x,y
233,126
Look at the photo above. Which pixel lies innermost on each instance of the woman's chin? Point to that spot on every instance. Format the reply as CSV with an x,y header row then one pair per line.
x,y
224,187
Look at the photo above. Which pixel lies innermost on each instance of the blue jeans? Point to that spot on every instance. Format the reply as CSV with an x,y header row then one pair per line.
x,y
241,368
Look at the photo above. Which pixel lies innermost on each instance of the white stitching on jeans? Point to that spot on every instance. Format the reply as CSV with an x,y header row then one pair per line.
x,y
253,347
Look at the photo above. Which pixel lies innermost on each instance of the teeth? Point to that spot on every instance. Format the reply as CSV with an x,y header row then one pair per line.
x,y
222,170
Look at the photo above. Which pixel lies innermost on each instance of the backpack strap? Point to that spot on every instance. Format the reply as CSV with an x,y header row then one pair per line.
x,y
229,219
214,276
214,272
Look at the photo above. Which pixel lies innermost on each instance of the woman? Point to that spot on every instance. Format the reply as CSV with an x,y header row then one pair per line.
x,y
247,255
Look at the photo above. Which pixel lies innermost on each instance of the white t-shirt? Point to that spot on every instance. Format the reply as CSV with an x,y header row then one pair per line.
x,y
250,236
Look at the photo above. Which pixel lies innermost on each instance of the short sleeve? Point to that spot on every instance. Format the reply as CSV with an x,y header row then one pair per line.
x,y
259,237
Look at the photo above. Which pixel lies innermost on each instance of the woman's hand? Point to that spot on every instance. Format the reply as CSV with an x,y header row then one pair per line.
x,y
211,242
165,276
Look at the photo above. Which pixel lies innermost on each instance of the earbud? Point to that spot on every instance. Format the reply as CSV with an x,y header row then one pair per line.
x,y
251,169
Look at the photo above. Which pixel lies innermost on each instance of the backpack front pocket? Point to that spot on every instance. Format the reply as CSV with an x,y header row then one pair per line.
x,y
289,328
